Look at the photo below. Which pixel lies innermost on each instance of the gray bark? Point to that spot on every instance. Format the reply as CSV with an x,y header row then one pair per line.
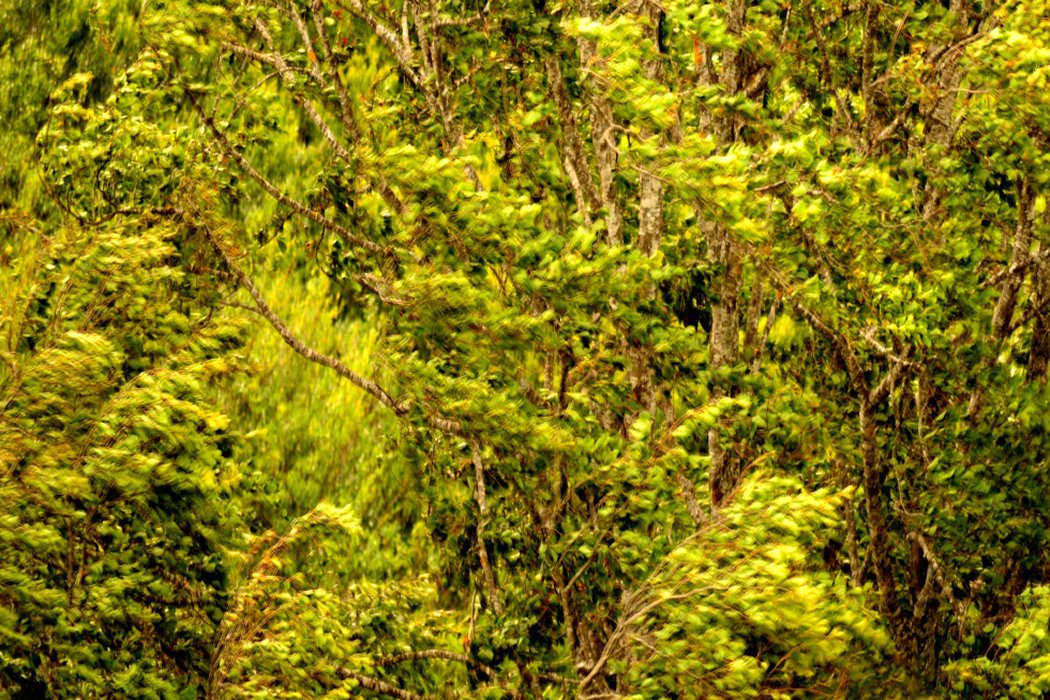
x,y
603,137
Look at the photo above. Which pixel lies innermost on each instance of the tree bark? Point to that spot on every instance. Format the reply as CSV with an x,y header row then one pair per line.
x,y
574,159
725,253
603,137
650,206
724,347
878,528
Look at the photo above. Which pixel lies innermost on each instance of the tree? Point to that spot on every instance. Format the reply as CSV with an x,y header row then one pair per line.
x,y
632,262
116,511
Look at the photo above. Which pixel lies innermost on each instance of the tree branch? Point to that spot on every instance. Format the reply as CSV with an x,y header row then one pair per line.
x,y
483,517
378,686
271,189
300,347
436,654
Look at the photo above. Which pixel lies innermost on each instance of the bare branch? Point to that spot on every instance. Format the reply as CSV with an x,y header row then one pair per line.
x,y
885,386
388,37
307,104
347,112
271,189
269,59
436,654
575,160
304,33
309,353
378,686
888,131
483,517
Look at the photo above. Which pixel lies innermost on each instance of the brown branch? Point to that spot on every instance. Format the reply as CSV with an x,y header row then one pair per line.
x,y
346,107
1020,254
574,158
271,189
483,516
696,513
771,318
880,392
269,59
307,105
378,686
603,138
818,35
300,347
402,50
843,348
304,33
871,16
944,576
650,201
426,654
1019,266
888,131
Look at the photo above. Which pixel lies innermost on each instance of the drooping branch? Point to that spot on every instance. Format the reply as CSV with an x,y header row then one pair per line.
x,y
224,144
302,348
399,407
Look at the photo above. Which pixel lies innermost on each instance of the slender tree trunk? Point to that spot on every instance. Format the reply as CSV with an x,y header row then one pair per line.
x,y
878,528
1039,354
603,137
650,209
724,347
1002,318
725,253
574,159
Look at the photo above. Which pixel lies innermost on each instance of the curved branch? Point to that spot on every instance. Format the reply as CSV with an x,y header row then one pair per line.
x,y
271,189
398,407
309,353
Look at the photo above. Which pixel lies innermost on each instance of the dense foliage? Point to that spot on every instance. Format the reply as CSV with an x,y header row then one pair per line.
x,y
652,349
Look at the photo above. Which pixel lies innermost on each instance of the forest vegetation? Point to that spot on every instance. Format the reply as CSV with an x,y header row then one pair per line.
x,y
524,349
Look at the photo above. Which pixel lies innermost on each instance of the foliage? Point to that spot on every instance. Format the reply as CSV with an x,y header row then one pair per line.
x,y
113,578
307,436
715,333
1019,666
740,609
